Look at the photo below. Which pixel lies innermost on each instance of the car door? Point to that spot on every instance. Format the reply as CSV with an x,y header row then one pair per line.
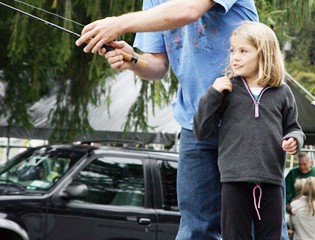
x,y
166,201
115,207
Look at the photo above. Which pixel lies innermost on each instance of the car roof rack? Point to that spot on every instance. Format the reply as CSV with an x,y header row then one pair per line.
x,y
113,143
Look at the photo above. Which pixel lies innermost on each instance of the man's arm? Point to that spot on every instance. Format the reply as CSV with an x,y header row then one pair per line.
x,y
155,69
169,15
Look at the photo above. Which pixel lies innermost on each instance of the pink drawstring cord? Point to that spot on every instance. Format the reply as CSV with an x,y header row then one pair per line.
x,y
260,194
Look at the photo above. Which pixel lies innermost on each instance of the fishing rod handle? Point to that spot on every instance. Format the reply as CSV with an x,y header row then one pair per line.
x,y
132,58
128,57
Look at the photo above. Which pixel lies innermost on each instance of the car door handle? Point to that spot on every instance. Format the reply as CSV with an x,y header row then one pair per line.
x,y
144,221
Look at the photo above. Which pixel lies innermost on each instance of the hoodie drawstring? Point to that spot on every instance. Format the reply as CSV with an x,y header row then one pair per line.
x,y
260,194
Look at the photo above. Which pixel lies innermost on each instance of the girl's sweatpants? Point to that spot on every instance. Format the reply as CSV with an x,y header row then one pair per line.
x,y
238,211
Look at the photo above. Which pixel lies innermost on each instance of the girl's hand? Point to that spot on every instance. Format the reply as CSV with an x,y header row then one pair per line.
x,y
290,146
222,83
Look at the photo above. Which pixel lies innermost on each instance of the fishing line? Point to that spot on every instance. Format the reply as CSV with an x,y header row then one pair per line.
x,y
126,56
51,13
41,20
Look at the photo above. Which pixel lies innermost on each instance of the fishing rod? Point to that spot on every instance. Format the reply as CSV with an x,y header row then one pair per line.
x,y
126,56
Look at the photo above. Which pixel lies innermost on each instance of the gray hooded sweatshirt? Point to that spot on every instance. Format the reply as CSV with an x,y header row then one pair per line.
x,y
250,131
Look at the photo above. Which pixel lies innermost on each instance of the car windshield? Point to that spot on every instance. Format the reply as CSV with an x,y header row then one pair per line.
x,y
38,169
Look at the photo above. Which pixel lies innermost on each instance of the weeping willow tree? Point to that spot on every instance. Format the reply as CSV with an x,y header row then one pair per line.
x,y
39,59
293,22
36,60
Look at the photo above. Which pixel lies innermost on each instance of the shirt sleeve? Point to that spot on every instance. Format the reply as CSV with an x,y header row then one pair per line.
x,y
289,187
206,116
151,42
224,6
291,127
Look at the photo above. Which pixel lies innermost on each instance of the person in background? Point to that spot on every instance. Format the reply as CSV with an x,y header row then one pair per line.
x,y
303,219
256,114
304,169
299,184
193,38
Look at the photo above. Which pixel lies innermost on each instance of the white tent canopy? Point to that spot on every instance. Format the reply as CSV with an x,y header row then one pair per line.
x,y
107,123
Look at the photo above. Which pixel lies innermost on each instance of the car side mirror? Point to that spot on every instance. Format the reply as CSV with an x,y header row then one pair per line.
x,y
76,190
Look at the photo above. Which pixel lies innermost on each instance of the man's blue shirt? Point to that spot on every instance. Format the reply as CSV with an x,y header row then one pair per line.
x,y
198,52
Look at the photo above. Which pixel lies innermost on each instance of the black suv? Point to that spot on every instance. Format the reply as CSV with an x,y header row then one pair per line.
x,y
86,192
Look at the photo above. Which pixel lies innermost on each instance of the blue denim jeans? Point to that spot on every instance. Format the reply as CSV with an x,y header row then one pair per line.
x,y
198,188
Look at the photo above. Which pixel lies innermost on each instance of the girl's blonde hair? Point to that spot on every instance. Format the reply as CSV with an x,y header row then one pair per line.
x,y
309,191
270,60
298,185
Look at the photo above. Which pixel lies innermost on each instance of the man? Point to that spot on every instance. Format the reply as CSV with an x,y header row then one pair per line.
x,y
193,38
304,169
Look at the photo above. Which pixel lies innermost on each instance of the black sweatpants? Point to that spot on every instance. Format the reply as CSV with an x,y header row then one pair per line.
x,y
238,211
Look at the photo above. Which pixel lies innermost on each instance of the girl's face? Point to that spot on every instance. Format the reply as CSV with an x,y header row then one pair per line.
x,y
243,59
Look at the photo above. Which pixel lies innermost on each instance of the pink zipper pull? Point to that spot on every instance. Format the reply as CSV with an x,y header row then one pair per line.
x,y
256,102
256,109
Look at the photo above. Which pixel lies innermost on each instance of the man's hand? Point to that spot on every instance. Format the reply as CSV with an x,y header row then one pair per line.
x,y
115,58
100,32
290,146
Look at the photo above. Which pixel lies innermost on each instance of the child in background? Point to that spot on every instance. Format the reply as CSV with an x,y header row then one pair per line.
x,y
303,220
257,118
298,185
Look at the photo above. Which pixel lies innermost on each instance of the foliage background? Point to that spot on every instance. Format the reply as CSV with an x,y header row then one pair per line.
x,y
37,60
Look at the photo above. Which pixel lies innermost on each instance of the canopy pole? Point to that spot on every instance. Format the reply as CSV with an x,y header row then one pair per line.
x,y
303,88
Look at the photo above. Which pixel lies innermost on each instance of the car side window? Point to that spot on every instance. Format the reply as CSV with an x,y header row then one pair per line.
x,y
114,181
168,171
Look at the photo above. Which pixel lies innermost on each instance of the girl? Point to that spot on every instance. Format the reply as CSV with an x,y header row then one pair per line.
x,y
257,118
303,219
